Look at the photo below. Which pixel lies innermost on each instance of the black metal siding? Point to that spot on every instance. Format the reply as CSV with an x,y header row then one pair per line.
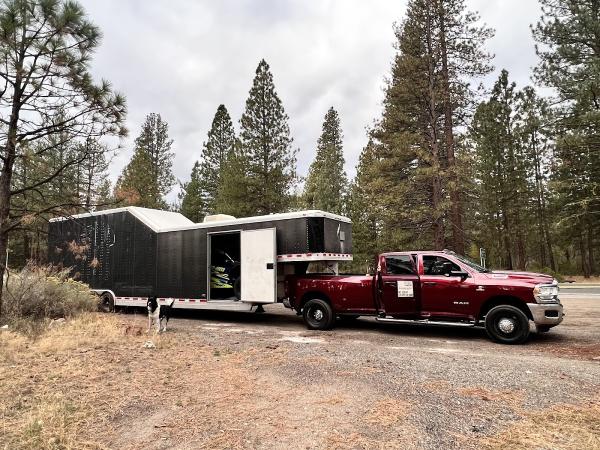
x,y
133,260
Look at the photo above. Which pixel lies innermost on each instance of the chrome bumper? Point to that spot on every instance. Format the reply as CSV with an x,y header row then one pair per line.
x,y
547,314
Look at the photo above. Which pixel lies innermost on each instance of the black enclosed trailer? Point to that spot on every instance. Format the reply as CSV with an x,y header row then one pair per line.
x,y
128,254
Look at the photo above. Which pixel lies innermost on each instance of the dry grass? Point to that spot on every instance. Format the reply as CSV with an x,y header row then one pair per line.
x,y
575,350
510,398
387,412
90,384
564,427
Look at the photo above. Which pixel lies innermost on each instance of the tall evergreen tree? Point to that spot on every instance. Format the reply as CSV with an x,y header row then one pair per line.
x,y
501,174
233,196
267,147
439,52
220,144
193,205
363,210
326,184
48,94
568,34
148,177
462,57
199,195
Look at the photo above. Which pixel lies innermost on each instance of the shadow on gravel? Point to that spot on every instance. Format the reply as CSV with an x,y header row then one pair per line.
x,y
282,318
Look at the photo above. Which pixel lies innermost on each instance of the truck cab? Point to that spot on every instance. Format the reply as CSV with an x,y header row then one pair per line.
x,y
435,287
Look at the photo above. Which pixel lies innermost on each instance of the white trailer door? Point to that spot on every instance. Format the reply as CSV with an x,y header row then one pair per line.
x,y
259,266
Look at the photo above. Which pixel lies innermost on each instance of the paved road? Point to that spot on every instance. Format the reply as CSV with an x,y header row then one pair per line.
x,y
580,291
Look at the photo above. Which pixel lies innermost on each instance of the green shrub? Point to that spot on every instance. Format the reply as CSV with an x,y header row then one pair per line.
x,y
38,294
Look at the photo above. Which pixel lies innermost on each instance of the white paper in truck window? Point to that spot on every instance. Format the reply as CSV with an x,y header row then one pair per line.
x,y
405,289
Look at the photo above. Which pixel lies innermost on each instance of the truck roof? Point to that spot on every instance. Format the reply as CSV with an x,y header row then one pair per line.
x,y
164,221
419,252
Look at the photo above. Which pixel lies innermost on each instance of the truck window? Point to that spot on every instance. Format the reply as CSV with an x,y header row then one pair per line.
x,y
399,265
438,265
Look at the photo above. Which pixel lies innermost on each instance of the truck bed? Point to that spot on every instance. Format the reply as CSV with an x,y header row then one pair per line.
x,y
349,294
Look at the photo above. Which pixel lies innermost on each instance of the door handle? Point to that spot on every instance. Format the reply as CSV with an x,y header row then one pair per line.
x,y
269,266
429,283
390,283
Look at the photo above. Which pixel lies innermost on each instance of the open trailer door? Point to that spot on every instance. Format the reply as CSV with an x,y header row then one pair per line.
x,y
258,259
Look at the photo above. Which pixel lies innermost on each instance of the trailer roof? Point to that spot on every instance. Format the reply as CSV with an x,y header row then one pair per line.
x,y
163,221
155,219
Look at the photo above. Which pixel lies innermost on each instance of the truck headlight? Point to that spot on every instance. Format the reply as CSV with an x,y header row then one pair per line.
x,y
546,293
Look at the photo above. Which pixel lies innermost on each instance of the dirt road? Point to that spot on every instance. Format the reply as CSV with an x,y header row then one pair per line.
x,y
234,380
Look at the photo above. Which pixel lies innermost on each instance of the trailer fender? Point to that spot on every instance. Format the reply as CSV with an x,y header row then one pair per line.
x,y
107,299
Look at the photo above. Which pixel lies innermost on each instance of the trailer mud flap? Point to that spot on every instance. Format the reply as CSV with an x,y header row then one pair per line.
x,y
258,267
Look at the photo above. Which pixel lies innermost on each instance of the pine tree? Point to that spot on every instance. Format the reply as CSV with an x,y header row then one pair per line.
x,y
462,57
363,210
409,166
326,184
502,175
193,205
568,34
148,177
535,133
220,143
233,196
267,147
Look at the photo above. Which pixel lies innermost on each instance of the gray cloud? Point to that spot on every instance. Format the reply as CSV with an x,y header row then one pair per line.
x,y
183,58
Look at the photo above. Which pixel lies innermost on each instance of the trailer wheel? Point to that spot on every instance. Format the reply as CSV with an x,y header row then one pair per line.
x,y
318,315
107,303
507,324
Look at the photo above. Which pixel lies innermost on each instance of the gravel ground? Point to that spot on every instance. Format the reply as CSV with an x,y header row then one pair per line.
x,y
455,384
245,380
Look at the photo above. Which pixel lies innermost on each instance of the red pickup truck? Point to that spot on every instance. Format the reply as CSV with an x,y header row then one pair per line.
x,y
437,287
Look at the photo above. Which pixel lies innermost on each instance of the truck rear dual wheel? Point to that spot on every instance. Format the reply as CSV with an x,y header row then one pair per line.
x,y
507,324
318,314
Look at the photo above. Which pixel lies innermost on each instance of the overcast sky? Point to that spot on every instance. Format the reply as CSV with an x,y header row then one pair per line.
x,y
182,58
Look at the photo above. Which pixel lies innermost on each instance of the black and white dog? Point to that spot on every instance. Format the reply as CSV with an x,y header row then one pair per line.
x,y
157,314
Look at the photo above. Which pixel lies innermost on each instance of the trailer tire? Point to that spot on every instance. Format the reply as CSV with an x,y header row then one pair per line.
x,y
507,324
107,303
318,314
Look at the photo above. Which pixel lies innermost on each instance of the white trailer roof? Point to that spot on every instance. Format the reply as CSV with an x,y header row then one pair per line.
x,y
163,221
155,219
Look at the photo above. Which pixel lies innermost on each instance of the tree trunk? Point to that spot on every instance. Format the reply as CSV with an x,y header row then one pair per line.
x,y
458,240
432,133
590,244
584,261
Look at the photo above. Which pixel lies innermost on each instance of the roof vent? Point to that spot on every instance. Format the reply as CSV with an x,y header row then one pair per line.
x,y
218,218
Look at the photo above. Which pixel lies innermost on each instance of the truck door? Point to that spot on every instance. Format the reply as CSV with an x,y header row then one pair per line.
x,y
399,286
441,293
258,266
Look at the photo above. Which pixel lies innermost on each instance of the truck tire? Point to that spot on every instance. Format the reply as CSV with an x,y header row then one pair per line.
x,y
107,303
318,315
507,324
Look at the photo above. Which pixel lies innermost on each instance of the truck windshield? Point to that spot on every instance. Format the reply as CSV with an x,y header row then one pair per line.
x,y
470,263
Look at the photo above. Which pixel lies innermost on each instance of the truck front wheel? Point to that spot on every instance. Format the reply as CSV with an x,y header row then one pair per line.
x,y
507,324
318,315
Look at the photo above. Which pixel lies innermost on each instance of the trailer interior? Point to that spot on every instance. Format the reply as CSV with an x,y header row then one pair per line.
x,y
224,266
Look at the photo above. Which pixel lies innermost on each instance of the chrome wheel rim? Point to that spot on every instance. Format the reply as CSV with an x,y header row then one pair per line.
x,y
318,315
506,325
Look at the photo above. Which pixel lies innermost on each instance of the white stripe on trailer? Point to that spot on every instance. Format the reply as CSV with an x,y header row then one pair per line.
x,y
293,257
